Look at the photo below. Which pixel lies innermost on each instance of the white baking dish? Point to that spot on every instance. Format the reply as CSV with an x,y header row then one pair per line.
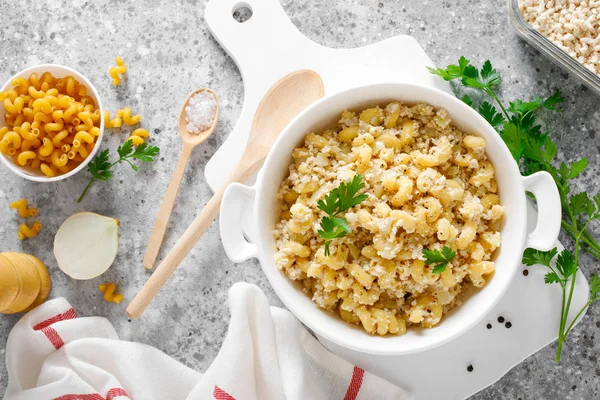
x,y
511,184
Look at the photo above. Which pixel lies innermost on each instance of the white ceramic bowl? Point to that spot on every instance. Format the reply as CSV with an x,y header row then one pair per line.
x,y
58,71
511,184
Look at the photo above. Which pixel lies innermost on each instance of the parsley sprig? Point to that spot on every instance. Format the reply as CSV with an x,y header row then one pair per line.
x,y
101,168
563,267
439,260
534,150
336,202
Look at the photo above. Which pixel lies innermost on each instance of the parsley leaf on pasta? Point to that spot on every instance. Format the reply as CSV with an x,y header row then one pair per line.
x,y
340,199
330,229
439,260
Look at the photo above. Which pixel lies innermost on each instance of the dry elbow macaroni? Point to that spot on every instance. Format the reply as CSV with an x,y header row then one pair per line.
x,y
115,122
114,72
129,119
48,120
138,135
430,185
24,211
109,293
22,207
123,115
27,232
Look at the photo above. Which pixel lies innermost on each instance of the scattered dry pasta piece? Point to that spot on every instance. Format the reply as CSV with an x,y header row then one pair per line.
x,y
21,206
116,122
109,293
43,117
129,119
138,136
27,232
114,72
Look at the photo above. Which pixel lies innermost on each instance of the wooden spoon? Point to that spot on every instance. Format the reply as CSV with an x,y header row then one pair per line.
x,y
189,142
290,95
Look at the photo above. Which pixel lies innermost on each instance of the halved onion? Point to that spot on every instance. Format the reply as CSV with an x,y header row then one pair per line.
x,y
86,245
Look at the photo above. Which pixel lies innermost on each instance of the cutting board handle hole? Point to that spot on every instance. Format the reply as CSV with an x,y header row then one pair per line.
x,y
241,12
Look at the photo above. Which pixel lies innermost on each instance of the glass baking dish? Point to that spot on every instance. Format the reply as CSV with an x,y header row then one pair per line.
x,y
545,46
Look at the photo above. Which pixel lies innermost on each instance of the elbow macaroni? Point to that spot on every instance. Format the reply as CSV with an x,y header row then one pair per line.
x,y
129,119
117,70
27,232
429,184
109,293
138,136
46,117
22,207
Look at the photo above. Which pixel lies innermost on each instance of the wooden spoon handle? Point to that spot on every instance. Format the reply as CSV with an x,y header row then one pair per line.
x,y
183,246
162,219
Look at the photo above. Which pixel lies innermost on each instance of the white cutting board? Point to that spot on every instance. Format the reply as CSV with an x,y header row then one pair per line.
x,y
267,47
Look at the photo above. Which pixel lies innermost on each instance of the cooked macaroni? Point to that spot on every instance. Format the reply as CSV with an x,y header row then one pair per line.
x,y
46,120
429,185
114,72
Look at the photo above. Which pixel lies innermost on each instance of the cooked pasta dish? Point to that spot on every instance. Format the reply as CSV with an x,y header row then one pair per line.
x,y
428,188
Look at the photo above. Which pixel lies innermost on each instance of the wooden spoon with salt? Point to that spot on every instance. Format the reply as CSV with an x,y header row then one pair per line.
x,y
189,141
290,95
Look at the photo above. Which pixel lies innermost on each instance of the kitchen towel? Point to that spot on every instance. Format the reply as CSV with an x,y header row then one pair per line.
x,y
267,354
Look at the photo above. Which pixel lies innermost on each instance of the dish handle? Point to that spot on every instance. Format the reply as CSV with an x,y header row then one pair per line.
x,y
546,231
237,247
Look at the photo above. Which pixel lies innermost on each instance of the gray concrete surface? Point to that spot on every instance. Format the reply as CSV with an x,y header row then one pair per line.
x,y
170,52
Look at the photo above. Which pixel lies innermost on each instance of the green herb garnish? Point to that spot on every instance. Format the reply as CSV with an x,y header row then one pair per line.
x,y
439,260
534,151
336,202
101,168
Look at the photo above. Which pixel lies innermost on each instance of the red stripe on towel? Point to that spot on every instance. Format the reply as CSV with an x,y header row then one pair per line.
x,y
53,337
93,396
69,314
51,334
220,394
112,394
57,342
355,384
116,392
